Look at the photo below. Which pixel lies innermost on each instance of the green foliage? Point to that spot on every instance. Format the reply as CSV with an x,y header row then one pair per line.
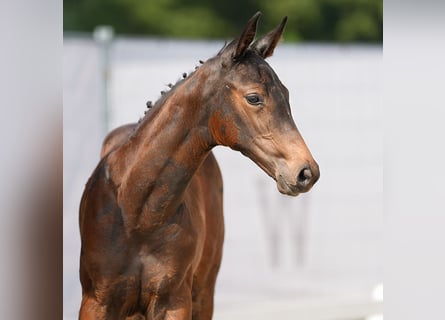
x,y
309,20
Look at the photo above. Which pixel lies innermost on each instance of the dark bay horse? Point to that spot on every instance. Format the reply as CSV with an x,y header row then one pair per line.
x,y
151,217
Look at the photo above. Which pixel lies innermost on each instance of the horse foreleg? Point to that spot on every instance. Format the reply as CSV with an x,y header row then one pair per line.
x,y
203,295
203,305
90,309
175,305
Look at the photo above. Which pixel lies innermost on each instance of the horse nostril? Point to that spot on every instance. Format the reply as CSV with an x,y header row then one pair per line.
x,y
304,177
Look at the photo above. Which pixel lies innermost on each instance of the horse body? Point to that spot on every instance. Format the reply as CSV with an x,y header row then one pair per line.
x,y
147,243
151,216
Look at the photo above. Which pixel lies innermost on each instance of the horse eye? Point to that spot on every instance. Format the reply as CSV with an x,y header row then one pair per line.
x,y
254,99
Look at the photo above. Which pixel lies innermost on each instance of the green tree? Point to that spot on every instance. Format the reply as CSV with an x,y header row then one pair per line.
x,y
309,20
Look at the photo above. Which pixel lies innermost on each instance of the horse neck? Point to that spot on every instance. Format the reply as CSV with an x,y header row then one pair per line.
x,y
154,167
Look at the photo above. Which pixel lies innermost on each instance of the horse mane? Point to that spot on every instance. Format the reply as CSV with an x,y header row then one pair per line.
x,y
226,44
165,94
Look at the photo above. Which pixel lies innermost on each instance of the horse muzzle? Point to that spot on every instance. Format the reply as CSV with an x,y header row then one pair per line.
x,y
303,181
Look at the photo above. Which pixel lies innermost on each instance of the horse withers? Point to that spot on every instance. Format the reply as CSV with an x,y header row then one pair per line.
x,y
151,217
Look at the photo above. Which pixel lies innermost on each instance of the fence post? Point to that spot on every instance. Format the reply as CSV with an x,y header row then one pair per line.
x,y
103,35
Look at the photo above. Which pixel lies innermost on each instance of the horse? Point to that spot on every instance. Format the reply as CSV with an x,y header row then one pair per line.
x,y
151,215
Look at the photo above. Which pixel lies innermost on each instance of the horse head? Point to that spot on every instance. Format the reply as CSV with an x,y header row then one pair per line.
x,y
251,111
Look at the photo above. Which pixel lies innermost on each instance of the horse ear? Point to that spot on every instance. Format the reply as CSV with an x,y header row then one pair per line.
x,y
246,37
266,45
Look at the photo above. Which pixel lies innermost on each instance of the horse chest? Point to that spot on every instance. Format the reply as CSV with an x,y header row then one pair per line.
x,y
167,253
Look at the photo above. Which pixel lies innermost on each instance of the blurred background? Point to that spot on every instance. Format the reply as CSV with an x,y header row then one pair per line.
x,y
309,20
317,256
